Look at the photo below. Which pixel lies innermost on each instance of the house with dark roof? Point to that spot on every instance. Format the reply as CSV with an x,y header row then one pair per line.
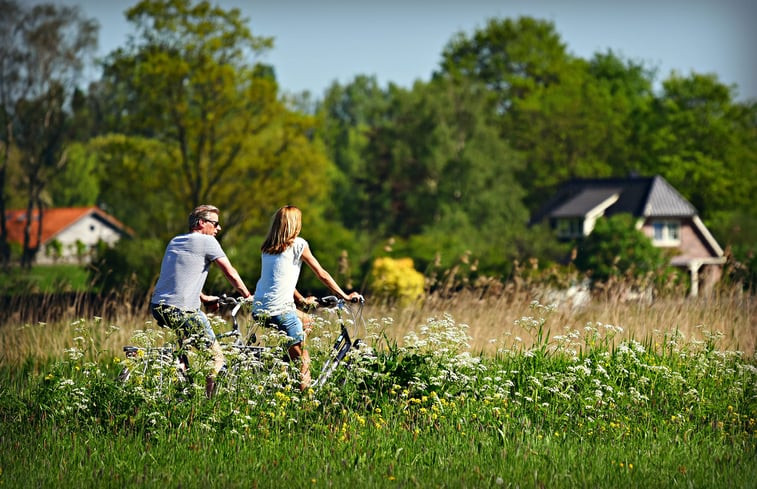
x,y
68,234
662,213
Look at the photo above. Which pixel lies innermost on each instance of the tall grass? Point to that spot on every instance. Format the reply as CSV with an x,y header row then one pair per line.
x,y
729,314
583,409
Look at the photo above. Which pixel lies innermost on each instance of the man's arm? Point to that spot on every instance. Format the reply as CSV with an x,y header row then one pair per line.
x,y
232,276
302,301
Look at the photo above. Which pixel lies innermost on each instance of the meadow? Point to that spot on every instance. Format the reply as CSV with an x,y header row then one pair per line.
x,y
464,390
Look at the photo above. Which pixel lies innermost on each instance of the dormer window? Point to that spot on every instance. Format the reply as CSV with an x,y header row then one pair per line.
x,y
569,227
666,233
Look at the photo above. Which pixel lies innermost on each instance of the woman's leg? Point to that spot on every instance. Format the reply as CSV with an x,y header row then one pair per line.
x,y
291,324
306,320
296,352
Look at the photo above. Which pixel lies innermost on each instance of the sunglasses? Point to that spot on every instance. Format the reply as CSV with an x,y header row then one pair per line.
x,y
214,223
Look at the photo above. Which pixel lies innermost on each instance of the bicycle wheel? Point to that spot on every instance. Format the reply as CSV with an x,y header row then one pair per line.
x,y
153,369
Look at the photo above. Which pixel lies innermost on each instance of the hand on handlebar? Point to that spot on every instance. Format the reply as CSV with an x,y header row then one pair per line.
x,y
309,303
332,300
211,302
225,300
355,297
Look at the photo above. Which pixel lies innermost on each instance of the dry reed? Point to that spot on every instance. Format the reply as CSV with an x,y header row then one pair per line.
x,y
490,318
730,314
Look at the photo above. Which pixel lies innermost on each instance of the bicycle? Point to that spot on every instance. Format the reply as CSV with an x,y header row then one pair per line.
x,y
349,319
167,365
157,366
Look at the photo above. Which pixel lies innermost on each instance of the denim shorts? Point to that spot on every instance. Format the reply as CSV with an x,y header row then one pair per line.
x,y
289,323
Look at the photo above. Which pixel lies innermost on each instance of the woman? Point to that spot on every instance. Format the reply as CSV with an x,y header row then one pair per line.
x,y
275,294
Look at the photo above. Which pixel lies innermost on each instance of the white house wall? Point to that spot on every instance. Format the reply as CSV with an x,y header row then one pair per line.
x,y
89,231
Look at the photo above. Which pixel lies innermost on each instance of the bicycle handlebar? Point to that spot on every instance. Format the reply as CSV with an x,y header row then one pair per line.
x,y
225,300
333,301
326,301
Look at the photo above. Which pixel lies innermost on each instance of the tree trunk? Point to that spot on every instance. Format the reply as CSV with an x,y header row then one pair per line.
x,y
5,250
29,252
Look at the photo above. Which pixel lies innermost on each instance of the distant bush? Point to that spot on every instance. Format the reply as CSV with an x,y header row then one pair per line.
x,y
45,279
131,263
616,249
396,279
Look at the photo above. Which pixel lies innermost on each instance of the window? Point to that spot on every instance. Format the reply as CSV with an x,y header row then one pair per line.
x,y
666,233
570,228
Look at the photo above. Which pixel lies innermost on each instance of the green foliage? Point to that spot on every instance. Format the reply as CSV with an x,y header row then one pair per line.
x,y
339,250
78,184
512,57
396,280
45,279
575,128
539,241
739,230
703,143
132,264
152,208
568,117
218,130
425,165
615,248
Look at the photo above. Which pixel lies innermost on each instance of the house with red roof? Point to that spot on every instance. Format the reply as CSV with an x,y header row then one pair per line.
x,y
69,234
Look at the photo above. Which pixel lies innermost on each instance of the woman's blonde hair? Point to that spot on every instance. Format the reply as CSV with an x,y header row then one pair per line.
x,y
285,226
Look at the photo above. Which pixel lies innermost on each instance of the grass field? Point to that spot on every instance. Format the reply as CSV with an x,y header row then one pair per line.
x,y
459,392
46,279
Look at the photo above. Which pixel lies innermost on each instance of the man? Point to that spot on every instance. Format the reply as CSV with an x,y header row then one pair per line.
x,y
176,302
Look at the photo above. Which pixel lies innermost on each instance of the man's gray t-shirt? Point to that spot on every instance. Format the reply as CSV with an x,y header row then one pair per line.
x,y
184,269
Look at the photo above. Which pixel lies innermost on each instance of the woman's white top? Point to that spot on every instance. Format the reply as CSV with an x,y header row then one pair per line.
x,y
274,292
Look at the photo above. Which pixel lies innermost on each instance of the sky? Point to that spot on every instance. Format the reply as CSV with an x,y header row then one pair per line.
x,y
317,42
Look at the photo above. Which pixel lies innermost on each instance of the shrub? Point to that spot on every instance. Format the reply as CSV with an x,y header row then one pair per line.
x,y
131,263
615,249
396,280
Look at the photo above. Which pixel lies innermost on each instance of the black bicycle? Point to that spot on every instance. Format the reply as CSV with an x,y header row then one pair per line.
x,y
349,317
251,365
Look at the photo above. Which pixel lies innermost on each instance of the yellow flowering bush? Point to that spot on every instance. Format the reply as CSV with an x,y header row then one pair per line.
x,y
396,280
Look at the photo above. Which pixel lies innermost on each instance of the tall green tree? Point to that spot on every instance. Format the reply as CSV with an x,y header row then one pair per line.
x,y
185,82
512,57
704,143
347,115
628,85
44,49
566,130
427,162
567,116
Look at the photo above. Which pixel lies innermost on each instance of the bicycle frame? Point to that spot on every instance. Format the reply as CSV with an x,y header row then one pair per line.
x,y
342,345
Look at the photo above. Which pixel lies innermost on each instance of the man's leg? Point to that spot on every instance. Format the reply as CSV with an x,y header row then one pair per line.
x,y
198,326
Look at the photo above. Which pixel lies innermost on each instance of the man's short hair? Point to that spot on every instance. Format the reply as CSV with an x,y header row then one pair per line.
x,y
201,212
